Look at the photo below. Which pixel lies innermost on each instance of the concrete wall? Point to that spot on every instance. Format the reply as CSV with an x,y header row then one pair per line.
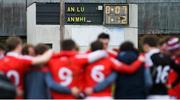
x,y
48,34
83,35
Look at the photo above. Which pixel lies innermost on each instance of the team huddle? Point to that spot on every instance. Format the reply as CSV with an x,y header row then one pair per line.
x,y
36,72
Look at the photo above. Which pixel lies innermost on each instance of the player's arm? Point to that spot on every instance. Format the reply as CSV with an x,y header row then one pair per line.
x,y
55,86
59,88
106,82
121,67
148,78
42,58
102,85
91,57
94,56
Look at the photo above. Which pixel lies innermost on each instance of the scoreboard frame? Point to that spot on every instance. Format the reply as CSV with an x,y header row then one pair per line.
x,y
115,4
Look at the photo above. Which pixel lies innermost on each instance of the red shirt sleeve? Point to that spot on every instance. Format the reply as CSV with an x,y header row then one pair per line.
x,y
26,62
81,59
121,67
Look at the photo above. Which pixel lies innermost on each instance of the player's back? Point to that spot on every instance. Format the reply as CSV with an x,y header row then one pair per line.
x,y
160,70
15,67
65,71
97,72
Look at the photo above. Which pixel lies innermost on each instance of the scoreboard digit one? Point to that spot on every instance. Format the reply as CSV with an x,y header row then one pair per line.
x,y
116,14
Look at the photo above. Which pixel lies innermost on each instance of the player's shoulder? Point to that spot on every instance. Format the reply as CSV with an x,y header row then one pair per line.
x,y
112,53
18,56
115,61
81,56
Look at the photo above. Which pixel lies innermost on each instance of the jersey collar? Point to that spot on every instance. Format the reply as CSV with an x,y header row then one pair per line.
x,y
68,53
14,54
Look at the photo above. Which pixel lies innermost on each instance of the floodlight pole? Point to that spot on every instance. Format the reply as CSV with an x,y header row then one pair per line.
x,y
62,13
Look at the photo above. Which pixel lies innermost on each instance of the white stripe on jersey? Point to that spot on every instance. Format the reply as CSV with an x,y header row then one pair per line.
x,y
16,55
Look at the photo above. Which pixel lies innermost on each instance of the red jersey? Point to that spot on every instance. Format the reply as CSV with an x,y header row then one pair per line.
x,y
15,67
65,71
98,71
112,54
172,77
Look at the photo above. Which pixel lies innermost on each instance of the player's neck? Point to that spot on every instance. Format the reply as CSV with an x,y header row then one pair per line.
x,y
152,48
16,51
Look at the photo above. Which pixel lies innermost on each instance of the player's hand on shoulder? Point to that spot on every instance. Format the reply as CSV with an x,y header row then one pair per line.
x,y
19,92
89,91
75,91
141,57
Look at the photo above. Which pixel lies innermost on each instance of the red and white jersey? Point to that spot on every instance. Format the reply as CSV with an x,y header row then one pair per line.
x,y
98,71
65,70
15,67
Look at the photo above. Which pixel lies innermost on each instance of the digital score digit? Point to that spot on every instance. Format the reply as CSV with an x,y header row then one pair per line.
x,y
116,14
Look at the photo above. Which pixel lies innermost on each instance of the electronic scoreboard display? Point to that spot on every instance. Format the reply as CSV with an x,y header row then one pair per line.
x,y
83,14
96,14
116,14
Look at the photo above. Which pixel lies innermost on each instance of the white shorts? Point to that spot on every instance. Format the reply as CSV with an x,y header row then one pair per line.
x,y
99,98
159,97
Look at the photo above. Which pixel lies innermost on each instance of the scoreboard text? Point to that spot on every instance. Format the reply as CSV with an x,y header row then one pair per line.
x,y
84,13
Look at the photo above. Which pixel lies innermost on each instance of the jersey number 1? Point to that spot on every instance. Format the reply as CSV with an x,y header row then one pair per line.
x,y
162,73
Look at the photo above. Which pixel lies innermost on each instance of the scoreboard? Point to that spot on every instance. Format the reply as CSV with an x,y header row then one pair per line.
x,y
96,14
83,14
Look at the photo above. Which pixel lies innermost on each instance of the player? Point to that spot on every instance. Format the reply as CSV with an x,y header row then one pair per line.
x,y
14,65
105,38
159,65
65,70
173,47
99,70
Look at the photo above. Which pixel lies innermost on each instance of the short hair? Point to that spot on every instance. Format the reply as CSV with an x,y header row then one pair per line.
x,y
150,40
103,36
2,47
68,44
40,49
25,50
96,45
127,46
13,42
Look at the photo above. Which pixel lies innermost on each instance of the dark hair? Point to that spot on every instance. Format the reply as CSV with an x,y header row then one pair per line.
x,y
2,47
40,49
150,40
96,45
13,42
103,36
25,50
68,45
127,46
164,40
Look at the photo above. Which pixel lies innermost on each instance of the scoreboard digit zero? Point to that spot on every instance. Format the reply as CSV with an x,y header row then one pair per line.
x,y
116,14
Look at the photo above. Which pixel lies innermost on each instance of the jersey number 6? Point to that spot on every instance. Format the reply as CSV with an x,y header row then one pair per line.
x,y
97,74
